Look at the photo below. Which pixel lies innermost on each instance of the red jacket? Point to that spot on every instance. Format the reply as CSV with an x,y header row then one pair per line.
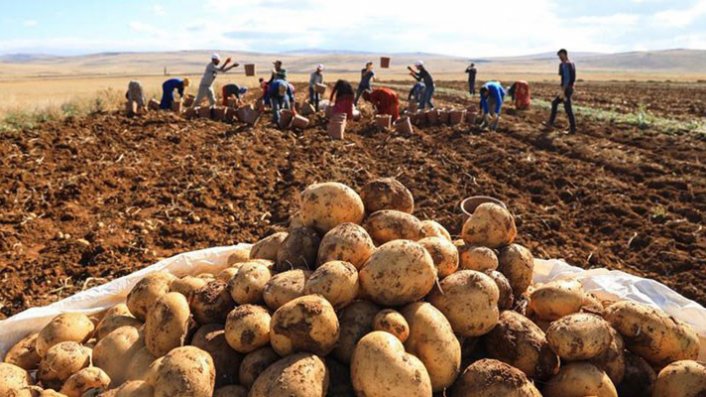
x,y
386,101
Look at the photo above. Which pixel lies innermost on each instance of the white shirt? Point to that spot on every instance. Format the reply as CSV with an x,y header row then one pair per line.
x,y
209,76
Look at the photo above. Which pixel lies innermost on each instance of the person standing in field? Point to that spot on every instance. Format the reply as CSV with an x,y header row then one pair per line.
x,y
209,76
567,71
135,97
367,76
492,95
385,100
471,70
344,98
278,72
422,74
168,88
317,77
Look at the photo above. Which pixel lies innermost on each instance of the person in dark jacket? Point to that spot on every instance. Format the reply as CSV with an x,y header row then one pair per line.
x,y
422,74
367,76
416,93
471,70
234,90
280,96
567,71
168,88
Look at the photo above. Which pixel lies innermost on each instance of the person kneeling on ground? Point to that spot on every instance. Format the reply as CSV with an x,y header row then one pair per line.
x,y
168,88
344,98
423,74
280,96
385,100
492,95
416,93
317,77
520,93
232,90
135,97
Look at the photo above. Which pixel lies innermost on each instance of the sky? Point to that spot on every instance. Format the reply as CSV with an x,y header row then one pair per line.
x,y
452,27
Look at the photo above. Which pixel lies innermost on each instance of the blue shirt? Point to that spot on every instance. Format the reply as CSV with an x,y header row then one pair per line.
x,y
495,91
273,89
365,79
174,84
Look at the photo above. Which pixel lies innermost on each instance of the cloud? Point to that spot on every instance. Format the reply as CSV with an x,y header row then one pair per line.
x,y
680,18
141,27
159,10
30,23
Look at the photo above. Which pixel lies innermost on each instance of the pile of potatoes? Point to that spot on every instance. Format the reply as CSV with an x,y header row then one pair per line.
x,y
359,297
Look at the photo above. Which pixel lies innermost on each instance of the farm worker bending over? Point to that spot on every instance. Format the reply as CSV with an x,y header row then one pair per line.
x,y
520,93
471,70
416,93
209,76
135,95
343,92
168,88
385,101
278,72
422,74
567,71
280,96
229,90
317,77
367,76
492,95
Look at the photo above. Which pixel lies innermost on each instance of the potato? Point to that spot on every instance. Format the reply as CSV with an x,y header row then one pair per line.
x,y
579,336
138,364
579,379
211,303
211,338
306,324
490,226
239,256
469,301
507,299
393,322
517,264
434,229
683,378
284,287
556,299
639,377
255,363
135,389
491,378
325,205
66,327
386,194
228,273
612,360
652,334
61,361
14,381
206,276
519,342
398,273
298,250
54,393
268,247
346,242
443,253
356,321
184,372
299,375
248,328
247,286
116,350
145,293
476,258
432,340
187,285
167,324
380,367
85,380
231,391
388,225
336,281
116,317
24,353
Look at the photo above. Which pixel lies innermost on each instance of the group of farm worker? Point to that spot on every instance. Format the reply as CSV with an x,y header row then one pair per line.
x,y
278,92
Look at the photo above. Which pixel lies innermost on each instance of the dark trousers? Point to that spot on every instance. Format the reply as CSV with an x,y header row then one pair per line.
x,y
472,86
567,107
314,98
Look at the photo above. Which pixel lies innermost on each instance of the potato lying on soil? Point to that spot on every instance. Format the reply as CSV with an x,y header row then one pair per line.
x,y
147,291
579,336
393,322
116,350
284,287
268,247
387,194
652,334
167,324
356,320
639,377
66,327
211,303
684,378
490,226
239,256
388,225
346,242
135,389
507,299
493,378
472,257
519,342
13,381
336,281
306,324
579,379
187,285
556,299
255,363
432,340
248,328
443,253
325,205
517,264
85,380
139,363
211,338
184,372
116,317
247,286
398,273
612,360
299,375
432,228
380,367
298,250
61,361
24,353
231,391
469,301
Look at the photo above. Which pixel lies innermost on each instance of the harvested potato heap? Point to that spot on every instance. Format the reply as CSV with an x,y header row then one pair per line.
x,y
360,297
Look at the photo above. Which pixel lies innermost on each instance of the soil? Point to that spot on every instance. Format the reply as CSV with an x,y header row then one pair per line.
x,y
87,200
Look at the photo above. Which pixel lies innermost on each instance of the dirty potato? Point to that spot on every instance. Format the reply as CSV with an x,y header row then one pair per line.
x,y
579,379
24,353
66,327
211,303
491,378
336,281
386,194
346,242
432,228
387,225
326,205
14,380
184,372
490,226
248,328
579,336
167,324
187,285
517,264
284,287
116,350
476,258
249,283
268,247
254,363
298,250
116,317
301,374
85,380
556,299
306,324
61,361
147,291
443,253
356,320
638,378
393,322
211,338
507,299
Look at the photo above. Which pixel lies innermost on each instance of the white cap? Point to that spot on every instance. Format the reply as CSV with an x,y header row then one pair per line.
x,y
320,67
216,56
419,63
